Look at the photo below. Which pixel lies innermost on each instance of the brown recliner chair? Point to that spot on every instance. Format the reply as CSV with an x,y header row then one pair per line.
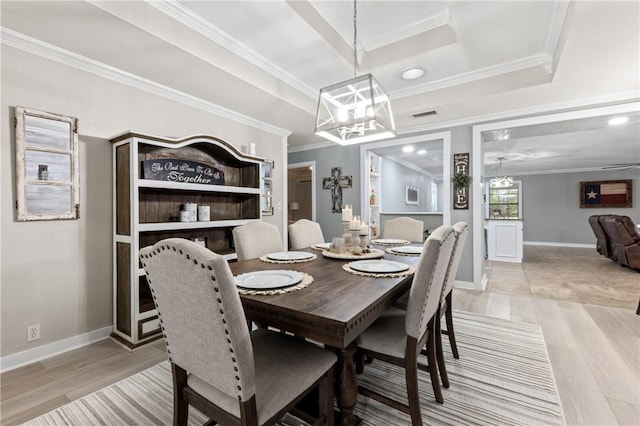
x,y
624,240
602,244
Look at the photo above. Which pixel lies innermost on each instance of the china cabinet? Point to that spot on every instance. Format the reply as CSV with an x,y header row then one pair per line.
x,y
158,184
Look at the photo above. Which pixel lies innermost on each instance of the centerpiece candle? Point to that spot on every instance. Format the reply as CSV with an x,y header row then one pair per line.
x,y
364,228
346,213
355,225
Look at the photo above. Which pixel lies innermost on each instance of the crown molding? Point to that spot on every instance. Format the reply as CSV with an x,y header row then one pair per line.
x,y
197,23
312,146
540,60
558,16
45,50
401,33
562,171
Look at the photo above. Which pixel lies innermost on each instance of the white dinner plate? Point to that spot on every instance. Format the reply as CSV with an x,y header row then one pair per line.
x,y
289,255
408,249
390,241
323,246
267,280
378,266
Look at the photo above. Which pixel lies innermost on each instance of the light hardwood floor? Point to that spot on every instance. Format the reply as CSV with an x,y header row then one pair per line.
x,y
585,306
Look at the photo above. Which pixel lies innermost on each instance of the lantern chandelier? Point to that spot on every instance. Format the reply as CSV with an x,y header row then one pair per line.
x,y
503,181
356,110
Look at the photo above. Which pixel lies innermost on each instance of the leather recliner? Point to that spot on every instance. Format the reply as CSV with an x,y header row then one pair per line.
x,y
602,244
623,240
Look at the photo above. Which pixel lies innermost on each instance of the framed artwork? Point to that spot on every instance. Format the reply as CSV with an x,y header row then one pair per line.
x,y
411,195
47,170
606,194
266,200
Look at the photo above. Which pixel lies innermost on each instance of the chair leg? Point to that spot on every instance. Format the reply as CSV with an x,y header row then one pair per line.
x,y
440,352
325,398
411,376
180,406
449,320
433,369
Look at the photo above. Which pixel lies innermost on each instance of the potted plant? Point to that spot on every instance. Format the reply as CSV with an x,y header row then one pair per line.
x,y
460,180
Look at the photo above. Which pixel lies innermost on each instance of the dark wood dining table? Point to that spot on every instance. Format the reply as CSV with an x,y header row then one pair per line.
x,y
333,310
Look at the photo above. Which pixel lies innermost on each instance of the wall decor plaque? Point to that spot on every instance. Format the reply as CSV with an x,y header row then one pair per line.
x,y
461,194
606,194
178,170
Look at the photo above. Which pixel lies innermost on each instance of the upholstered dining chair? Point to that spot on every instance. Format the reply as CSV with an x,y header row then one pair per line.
x,y
305,233
230,374
256,238
460,230
404,228
398,336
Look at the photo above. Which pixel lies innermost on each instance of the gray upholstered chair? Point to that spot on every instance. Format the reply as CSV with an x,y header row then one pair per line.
x,y
398,336
304,233
255,239
228,373
404,228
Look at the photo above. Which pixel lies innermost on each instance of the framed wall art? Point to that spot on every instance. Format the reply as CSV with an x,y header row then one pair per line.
x,y
266,200
606,194
47,170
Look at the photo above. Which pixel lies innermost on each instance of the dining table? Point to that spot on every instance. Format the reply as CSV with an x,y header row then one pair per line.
x,y
333,310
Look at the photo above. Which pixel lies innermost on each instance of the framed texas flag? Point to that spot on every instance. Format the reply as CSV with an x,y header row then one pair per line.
x,y
605,194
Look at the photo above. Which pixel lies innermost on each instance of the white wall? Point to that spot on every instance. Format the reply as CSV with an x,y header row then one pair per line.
x,y
59,273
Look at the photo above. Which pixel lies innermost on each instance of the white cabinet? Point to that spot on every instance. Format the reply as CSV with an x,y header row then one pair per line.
x,y
504,240
200,170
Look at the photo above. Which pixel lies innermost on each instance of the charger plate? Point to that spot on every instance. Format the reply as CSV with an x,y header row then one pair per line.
x,y
294,257
304,283
405,250
373,254
390,242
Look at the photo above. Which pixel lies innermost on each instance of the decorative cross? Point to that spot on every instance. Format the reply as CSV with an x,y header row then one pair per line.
x,y
335,183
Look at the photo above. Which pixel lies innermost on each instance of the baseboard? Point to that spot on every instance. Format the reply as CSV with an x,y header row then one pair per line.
x,y
468,285
39,353
542,243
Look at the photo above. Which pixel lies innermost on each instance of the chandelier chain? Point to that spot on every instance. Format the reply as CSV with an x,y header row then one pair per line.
x,y
355,38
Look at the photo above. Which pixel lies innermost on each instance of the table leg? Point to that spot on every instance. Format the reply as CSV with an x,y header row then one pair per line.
x,y
346,386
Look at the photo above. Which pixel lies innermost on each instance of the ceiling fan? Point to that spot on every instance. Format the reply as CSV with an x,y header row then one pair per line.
x,y
621,166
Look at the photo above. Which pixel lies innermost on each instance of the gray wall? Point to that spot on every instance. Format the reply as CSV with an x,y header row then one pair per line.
x,y
551,206
396,178
59,273
326,158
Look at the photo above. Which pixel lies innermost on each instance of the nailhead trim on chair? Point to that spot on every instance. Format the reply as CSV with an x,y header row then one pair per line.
x,y
218,300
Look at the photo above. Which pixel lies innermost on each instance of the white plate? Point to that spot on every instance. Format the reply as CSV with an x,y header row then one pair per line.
x,y
390,241
323,246
267,280
408,249
289,255
378,266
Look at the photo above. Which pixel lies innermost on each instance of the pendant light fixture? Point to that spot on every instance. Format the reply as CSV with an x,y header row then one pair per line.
x,y
356,110
501,181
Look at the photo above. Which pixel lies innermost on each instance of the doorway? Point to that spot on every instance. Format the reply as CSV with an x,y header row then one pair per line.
x,y
301,185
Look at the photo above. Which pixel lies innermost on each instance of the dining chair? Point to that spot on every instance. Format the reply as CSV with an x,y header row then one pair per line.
x,y
305,233
461,230
398,335
256,238
219,367
404,228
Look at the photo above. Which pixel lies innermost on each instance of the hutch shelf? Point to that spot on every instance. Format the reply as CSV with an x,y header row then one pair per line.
x,y
147,209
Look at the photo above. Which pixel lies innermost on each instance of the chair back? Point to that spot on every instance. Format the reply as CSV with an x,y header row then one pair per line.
x,y
461,229
428,280
602,244
255,239
404,228
201,315
305,233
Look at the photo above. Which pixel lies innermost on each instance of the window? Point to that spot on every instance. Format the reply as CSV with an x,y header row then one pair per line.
x,y
504,203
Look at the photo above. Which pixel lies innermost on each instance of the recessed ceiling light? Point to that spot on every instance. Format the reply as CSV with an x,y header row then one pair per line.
x,y
407,148
616,121
422,152
412,73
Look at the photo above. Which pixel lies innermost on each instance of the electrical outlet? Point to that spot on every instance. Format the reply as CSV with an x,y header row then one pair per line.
x,y
33,332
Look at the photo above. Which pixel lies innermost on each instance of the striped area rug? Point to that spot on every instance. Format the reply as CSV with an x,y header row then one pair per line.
x,y
503,377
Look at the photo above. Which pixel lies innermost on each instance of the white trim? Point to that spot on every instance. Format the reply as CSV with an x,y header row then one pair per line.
x,y
558,16
311,164
539,60
53,53
197,23
318,145
553,244
39,353
467,285
405,31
